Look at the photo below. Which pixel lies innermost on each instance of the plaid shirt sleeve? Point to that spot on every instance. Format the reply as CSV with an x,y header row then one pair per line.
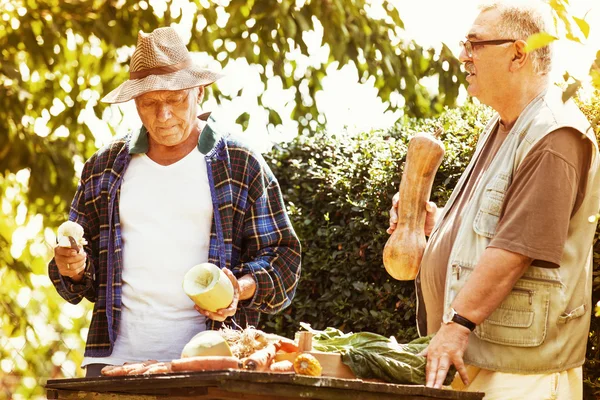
x,y
271,250
68,289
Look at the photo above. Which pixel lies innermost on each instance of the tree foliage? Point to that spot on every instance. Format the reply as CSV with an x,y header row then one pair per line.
x,y
575,29
57,58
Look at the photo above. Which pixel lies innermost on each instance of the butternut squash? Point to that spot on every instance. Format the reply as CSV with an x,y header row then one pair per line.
x,y
404,249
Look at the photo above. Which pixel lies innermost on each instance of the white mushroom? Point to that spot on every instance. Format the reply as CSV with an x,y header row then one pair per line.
x,y
72,229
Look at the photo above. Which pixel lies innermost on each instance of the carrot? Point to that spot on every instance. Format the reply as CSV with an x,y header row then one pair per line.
x,y
261,359
140,369
205,363
159,368
282,366
127,368
287,346
108,370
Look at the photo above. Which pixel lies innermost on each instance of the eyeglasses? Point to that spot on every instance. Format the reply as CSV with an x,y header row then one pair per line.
x,y
469,44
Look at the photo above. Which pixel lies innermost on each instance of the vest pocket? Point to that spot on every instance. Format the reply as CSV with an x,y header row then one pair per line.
x,y
488,215
521,320
571,315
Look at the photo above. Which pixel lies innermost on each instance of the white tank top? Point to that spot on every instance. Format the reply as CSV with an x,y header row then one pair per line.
x,y
166,217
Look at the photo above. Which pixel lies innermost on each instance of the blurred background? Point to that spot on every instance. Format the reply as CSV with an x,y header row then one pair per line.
x,y
344,70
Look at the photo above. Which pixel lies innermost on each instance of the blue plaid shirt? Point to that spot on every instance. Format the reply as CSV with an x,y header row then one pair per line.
x,y
251,232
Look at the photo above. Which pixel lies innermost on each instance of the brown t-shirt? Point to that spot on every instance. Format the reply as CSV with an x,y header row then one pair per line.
x,y
546,190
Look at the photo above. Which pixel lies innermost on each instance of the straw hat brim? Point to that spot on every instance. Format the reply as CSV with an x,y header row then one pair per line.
x,y
183,79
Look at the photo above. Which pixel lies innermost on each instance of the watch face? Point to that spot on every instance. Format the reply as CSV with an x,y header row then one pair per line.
x,y
448,315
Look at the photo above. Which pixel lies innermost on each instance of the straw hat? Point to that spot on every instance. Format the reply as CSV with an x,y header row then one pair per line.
x,y
160,62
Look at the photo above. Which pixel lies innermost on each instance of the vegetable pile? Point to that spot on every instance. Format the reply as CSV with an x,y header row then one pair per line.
x,y
372,356
249,349
368,355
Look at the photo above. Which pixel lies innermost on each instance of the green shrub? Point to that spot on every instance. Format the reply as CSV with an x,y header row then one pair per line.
x,y
339,189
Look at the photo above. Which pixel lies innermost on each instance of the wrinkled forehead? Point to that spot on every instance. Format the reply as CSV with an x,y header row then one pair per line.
x,y
164,94
485,26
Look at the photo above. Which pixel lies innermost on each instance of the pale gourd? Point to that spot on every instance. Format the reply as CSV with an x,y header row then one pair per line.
x,y
208,287
404,249
207,343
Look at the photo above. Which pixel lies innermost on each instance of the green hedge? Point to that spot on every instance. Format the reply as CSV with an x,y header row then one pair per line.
x,y
339,189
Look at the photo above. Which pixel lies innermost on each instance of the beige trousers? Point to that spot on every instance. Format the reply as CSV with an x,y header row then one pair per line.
x,y
565,385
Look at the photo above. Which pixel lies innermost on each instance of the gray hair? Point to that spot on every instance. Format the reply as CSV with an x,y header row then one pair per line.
x,y
521,19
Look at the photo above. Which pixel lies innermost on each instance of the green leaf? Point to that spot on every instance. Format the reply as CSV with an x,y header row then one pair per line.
x,y
571,90
10,70
539,40
274,117
583,26
595,75
393,12
572,37
243,120
302,23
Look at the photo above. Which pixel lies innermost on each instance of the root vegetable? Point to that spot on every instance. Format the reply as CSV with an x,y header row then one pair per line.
x,y
245,342
286,345
260,360
282,366
159,368
206,363
404,249
127,369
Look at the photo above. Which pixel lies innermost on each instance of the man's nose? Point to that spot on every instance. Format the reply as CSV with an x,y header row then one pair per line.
x,y
164,112
463,57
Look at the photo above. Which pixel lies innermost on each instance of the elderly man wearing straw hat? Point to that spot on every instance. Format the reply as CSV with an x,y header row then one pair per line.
x,y
158,201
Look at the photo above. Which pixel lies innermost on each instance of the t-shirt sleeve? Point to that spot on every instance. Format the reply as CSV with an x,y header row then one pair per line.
x,y
547,189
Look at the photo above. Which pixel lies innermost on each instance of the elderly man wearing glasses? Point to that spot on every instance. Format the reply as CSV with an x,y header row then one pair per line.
x,y
505,281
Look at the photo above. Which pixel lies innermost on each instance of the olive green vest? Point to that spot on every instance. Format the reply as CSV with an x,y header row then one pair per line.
x,y
543,324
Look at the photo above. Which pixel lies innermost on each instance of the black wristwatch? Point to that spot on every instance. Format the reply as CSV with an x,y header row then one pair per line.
x,y
452,316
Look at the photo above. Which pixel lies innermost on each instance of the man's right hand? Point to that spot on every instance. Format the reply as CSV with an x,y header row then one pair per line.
x,y
430,219
70,263
222,314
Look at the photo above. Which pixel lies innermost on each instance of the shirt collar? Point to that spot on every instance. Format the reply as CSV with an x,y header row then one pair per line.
x,y
139,143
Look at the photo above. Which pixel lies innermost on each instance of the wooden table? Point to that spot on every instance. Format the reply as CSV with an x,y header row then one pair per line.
x,y
235,384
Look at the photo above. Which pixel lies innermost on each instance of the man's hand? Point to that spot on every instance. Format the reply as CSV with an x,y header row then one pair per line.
x,y
430,219
70,263
223,313
446,348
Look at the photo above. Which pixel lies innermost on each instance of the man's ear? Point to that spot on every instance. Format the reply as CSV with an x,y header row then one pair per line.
x,y
520,56
200,93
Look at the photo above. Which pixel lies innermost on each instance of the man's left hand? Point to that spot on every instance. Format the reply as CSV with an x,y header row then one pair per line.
x,y
222,314
446,348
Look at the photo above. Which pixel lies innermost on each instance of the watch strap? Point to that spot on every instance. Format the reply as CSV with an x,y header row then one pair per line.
x,y
459,319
